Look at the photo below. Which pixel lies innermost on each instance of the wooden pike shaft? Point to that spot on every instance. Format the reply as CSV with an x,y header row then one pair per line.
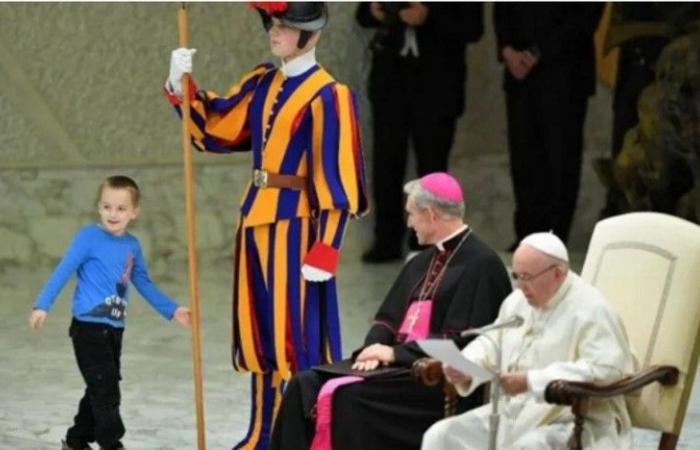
x,y
191,235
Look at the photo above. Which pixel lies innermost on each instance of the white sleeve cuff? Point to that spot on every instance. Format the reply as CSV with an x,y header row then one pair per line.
x,y
312,273
537,383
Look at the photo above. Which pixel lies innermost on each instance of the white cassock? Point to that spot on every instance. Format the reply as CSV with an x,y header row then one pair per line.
x,y
577,337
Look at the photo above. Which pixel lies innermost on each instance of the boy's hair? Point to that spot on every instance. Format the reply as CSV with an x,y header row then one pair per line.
x,y
121,182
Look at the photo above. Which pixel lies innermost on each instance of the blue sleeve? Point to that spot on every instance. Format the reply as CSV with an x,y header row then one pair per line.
x,y
148,290
75,255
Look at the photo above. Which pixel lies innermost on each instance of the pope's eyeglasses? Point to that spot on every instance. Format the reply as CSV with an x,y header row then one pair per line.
x,y
527,277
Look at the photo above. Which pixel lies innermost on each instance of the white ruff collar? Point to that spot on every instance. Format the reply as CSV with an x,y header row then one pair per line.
x,y
300,64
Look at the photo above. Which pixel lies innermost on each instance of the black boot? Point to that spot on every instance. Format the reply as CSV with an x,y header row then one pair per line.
x,y
71,445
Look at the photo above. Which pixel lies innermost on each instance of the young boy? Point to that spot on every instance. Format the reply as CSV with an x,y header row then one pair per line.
x,y
105,257
307,180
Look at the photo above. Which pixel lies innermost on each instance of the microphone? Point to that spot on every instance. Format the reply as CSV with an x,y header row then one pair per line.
x,y
513,322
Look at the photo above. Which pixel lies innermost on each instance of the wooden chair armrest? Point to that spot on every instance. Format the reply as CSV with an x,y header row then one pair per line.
x,y
578,394
427,371
564,392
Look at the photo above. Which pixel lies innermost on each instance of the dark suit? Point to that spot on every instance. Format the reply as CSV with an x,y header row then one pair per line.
x,y
546,110
416,98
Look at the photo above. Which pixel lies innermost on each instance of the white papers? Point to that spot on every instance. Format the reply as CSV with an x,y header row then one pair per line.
x,y
446,351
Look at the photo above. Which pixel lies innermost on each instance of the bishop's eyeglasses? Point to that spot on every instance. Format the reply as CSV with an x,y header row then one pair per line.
x,y
526,277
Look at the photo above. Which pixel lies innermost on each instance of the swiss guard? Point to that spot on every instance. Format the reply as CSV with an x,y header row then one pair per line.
x,y
307,180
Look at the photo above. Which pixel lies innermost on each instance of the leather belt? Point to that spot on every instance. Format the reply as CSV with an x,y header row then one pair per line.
x,y
265,179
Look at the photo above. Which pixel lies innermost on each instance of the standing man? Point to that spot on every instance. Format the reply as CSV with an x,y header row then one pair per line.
x,y
416,88
549,73
458,282
307,180
570,332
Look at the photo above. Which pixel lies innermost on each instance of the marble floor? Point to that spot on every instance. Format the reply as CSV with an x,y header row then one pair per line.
x,y
40,385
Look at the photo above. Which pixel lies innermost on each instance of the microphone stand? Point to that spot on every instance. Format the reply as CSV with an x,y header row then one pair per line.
x,y
494,417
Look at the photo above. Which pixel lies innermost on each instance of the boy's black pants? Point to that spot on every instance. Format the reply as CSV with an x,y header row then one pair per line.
x,y
98,350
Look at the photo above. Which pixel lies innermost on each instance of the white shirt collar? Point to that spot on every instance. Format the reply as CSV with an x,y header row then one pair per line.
x,y
441,242
410,43
300,64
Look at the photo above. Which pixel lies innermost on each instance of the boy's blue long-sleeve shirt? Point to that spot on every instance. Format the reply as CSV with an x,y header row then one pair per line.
x,y
105,264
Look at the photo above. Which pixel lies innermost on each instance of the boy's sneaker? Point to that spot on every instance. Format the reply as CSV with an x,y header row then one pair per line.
x,y
74,446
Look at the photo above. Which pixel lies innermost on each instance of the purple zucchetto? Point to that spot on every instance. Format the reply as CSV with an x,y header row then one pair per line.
x,y
443,186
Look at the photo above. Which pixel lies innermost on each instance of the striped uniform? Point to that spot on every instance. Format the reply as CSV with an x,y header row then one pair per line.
x,y
307,126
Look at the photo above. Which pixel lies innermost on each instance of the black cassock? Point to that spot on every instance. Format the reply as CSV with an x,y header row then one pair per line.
x,y
392,411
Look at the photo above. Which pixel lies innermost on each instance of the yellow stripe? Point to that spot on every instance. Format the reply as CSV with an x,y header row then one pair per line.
x,y
303,169
332,225
195,132
255,435
236,326
346,160
280,296
276,382
230,125
319,181
264,209
243,313
327,351
274,150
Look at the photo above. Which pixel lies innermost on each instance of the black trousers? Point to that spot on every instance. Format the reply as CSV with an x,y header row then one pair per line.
x,y
399,117
545,141
98,350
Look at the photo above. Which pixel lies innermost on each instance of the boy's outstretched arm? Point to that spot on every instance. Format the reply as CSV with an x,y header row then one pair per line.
x,y
37,319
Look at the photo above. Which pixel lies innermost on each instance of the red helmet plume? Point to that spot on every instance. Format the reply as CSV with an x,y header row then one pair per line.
x,y
270,8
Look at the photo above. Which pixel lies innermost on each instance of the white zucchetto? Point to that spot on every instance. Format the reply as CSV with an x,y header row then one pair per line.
x,y
547,243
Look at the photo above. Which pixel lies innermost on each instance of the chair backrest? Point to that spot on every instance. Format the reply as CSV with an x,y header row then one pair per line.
x,y
648,266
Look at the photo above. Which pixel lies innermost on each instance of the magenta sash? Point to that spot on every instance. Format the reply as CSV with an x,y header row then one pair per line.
x,y
324,411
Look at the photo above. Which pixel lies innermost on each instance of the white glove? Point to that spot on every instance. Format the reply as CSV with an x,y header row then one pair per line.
x,y
180,63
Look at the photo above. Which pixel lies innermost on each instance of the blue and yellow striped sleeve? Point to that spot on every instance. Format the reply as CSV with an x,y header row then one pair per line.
x,y
219,124
337,173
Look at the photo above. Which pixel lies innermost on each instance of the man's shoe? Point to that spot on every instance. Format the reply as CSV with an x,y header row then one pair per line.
x,y
75,446
379,254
